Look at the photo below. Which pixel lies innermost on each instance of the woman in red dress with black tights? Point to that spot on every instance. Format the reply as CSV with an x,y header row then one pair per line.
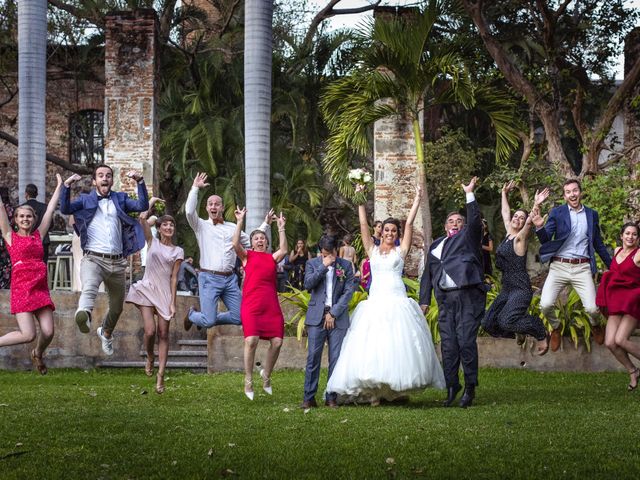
x,y
617,298
30,299
260,310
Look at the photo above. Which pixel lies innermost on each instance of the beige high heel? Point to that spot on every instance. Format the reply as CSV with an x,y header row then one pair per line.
x,y
148,366
38,362
160,383
266,382
248,393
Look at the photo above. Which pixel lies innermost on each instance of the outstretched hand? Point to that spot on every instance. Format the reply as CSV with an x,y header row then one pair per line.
x,y
240,213
72,179
419,192
536,218
281,220
541,196
137,176
58,180
510,185
269,217
471,186
201,180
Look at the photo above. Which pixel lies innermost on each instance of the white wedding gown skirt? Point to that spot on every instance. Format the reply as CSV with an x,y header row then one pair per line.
x,y
388,351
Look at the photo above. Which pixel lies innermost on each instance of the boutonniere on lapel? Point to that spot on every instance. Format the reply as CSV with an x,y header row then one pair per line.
x,y
340,273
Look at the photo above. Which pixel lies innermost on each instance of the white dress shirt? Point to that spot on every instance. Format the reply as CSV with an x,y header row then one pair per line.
x,y
328,301
214,241
104,234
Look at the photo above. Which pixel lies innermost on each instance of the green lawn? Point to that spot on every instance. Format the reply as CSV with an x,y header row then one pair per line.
x,y
111,424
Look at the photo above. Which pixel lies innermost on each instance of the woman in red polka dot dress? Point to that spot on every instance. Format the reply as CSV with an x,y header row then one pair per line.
x,y
30,299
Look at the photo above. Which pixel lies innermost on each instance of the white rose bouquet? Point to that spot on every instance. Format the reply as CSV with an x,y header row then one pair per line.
x,y
359,176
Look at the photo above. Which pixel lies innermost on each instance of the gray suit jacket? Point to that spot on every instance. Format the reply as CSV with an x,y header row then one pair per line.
x,y
343,287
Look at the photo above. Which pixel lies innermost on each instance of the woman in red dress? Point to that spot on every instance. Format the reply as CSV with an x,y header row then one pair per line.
x,y
260,310
30,299
617,298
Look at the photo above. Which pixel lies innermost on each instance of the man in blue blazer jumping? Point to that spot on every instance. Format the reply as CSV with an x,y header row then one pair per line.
x,y
108,235
570,239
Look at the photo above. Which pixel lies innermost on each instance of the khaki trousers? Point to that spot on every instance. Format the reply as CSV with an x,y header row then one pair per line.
x,y
580,278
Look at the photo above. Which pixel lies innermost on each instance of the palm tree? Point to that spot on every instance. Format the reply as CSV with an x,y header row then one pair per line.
x,y
402,63
32,70
258,54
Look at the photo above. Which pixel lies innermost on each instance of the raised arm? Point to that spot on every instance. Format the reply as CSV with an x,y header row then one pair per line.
x,y
67,207
5,226
145,217
408,228
237,244
534,216
282,248
365,232
190,207
505,208
45,223
140,204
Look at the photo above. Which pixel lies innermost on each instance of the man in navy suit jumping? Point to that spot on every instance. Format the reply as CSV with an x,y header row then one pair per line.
x,y
570,239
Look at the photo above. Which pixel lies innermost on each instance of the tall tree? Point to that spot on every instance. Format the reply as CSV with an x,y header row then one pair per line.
x,y
32,72
258,54
402,60
553,64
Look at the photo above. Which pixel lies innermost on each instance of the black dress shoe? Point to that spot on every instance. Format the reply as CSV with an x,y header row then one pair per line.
x,y
309,404
467,397
452,393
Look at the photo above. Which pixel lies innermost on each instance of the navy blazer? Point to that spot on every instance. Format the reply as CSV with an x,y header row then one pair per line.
x,y
84,208
557,229
461,257
343,287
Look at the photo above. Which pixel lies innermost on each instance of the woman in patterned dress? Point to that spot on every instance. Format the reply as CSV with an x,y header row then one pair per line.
x,y
30,299
508,314
156,292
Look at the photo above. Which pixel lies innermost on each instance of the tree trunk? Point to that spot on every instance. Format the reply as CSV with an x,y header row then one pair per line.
x,y
32,70
257,108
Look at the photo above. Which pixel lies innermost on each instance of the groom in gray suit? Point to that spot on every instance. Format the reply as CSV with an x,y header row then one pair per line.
x,y
331,282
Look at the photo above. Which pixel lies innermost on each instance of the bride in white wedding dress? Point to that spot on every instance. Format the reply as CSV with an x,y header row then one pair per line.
x,y
388,351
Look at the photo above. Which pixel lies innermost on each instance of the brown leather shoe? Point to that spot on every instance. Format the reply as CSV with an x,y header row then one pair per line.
x,y
186,322
331,403
556,340
309,404
598,334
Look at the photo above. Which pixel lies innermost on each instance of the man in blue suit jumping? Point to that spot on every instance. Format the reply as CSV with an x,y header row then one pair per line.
x,y
108,235
570,239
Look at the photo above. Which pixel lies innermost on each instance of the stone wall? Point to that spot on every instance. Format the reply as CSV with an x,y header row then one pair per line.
x,y
64,98
131,95
396,174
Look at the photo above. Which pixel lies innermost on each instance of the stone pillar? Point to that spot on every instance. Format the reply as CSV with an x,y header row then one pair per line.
x,y
396,174
131,92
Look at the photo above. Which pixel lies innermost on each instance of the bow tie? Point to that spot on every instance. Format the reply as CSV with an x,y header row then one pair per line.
x,y
107,196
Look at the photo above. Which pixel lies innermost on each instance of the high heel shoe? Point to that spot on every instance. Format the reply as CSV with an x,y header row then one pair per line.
x,y
634,373
160,383
148,366
266,382
38,363
248,393
544,349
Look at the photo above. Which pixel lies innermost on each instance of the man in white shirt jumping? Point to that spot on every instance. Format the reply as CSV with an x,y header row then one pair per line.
x,y
217,278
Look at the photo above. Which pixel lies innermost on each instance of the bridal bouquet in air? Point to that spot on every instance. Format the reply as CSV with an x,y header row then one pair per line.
x,y
359,176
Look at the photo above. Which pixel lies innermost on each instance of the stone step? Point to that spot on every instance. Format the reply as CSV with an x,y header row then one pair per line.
x,y
170,364
180,353
193,343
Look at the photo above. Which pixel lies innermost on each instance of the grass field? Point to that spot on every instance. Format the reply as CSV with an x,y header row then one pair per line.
x,y
111,425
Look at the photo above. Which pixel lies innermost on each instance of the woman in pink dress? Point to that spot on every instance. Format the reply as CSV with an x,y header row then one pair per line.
x,y
260,310
617,298
156,292
30,299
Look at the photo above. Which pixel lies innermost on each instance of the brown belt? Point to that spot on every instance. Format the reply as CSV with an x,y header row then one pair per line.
x,y
215,272
572,261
